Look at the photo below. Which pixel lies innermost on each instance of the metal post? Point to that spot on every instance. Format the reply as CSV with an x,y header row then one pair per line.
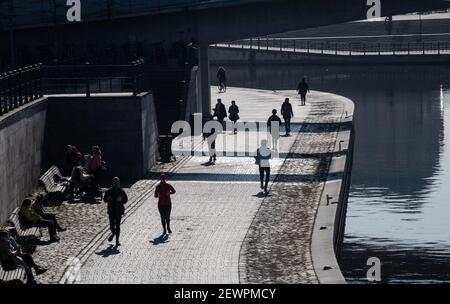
x,y
379,49
336,48
409,51
88,86
294,45
423,48
439,48
259,43
307,47
281,45
321,47
267,42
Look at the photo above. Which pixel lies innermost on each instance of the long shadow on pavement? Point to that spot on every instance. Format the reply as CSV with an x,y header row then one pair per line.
x,y
160,240
111,250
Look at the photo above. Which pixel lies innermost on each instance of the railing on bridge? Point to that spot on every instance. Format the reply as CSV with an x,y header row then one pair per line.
x,y
299,45
30,83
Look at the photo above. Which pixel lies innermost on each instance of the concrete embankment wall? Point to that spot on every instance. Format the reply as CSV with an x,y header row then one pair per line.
x,y
34,137
21,150
229,56
329,226
124,127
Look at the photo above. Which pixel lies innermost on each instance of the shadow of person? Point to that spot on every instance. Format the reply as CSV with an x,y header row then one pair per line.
x,y
163,238
111,250
262,194
208,164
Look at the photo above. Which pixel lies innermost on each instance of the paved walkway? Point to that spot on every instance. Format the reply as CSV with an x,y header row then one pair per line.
x,y
224,229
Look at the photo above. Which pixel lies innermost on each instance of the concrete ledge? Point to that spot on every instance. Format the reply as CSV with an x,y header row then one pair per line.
x,y
330,218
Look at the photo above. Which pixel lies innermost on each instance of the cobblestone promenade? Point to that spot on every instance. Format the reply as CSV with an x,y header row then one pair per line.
x,y
224,229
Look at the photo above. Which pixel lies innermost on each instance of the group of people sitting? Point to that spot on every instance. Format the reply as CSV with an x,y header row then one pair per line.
x,y
84,171
31,214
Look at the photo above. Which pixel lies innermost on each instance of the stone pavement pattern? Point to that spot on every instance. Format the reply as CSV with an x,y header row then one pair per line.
x,y
214,208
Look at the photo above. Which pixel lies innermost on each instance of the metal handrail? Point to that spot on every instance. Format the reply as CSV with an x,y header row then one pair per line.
x,y
340,48
27,84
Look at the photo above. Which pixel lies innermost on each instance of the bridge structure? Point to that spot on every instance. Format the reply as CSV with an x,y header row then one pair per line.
x,y
183,30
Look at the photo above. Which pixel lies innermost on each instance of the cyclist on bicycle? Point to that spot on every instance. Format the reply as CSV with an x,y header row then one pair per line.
x,y
222,77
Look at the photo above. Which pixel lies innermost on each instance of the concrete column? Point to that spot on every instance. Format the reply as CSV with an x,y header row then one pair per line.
x,y
205,91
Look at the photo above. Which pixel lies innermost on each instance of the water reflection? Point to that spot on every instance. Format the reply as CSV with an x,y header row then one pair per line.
x,y
398,208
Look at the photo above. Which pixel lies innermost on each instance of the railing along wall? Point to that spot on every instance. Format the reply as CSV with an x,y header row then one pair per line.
x,y
24,85
19,87
340,48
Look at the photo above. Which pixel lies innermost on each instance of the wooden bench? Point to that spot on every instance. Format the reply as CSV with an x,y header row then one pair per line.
x,y
17,275
22,232
54,191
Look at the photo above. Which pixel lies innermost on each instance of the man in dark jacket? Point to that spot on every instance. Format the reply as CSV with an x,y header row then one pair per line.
x,y
303,89
220,112
286,111
116,199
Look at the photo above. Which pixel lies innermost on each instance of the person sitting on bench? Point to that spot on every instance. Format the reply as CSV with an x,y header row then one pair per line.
x,y
38,206
81,181
29,218
12,257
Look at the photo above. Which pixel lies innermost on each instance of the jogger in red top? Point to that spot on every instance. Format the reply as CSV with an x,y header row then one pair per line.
x,y
163,192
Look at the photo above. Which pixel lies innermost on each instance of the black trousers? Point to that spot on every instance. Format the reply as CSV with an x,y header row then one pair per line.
x,y
264,181
28,259
51,217
164,212
303,98
47,224
114,224
287,124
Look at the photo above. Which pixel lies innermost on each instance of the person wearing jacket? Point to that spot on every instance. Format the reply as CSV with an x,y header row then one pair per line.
x,y
116,198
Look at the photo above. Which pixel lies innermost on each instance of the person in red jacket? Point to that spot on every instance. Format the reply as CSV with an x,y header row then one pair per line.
x,y
163,192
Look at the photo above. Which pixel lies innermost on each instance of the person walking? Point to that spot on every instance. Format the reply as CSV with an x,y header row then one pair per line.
x,y
234,115
273,124
263,156
288,114
116,198
219,111
163,192
303,89
211,141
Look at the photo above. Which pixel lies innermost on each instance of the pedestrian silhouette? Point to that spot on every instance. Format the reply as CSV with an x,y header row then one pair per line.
x,y
211,140
263,156
303,89
219,111
163,192
287,113
273,124
234,115
116,199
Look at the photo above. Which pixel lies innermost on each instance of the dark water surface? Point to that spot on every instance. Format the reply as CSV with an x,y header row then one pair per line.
x,y
399,205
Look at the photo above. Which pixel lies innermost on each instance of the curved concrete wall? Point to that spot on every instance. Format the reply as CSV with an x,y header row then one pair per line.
x,y
21,149
329,225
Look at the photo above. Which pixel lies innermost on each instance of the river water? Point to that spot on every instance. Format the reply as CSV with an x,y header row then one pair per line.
x,y
399,204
